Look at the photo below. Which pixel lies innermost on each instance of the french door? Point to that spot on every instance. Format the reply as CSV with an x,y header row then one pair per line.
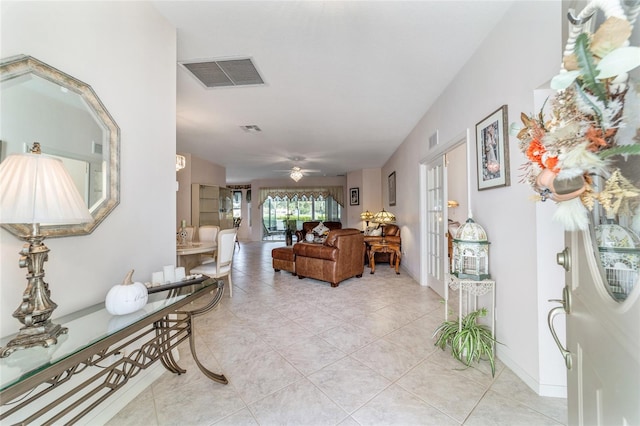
x,y
436,220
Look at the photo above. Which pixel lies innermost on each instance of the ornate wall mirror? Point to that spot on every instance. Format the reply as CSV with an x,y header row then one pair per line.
x,y
39,103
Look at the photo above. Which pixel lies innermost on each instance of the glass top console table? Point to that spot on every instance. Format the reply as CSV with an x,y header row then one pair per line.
x,y
100,353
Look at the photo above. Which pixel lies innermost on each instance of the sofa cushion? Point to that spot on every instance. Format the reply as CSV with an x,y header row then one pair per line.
x,y
368,230
333,235
321,229
317,251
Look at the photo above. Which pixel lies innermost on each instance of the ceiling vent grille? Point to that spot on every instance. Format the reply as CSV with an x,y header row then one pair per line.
x,y
433,140
225,73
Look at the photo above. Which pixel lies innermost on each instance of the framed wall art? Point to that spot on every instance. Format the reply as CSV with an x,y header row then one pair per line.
x,y
392,189
354,196
492,146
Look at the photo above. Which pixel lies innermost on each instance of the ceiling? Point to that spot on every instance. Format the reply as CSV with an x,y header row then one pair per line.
x,y
345,82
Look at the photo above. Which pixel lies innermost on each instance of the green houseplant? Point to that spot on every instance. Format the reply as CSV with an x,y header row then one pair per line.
x,y
469,340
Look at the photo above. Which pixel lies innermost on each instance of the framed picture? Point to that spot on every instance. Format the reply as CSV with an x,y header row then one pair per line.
x,y
392,189
492,146
354,196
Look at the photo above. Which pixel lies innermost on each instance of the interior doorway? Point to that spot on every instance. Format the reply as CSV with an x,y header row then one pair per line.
x,y
445,200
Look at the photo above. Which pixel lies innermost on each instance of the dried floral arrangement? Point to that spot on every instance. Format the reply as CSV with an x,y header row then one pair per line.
x,y
595,118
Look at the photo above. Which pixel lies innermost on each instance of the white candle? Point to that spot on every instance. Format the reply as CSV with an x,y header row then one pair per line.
x,y
180,273
169,273
157,277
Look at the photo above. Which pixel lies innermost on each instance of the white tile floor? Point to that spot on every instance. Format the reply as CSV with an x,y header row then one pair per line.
x,y
298,352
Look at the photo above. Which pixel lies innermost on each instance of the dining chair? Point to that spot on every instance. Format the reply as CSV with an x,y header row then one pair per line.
x,y
224,257
266,232
208,233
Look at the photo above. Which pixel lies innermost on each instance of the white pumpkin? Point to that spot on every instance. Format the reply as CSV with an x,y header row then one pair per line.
x,y
127,297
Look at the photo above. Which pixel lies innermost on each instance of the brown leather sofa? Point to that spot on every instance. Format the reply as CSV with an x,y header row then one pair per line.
x,y
308,226
340,257
391,235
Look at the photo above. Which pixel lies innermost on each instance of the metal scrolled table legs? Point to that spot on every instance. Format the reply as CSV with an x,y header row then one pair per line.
x,y
220,378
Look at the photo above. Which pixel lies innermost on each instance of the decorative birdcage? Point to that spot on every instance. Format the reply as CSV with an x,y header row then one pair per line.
x,y
470,259
619,249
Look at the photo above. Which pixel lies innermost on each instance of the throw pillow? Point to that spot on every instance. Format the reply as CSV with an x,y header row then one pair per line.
x,y
376,232
369,230
320,229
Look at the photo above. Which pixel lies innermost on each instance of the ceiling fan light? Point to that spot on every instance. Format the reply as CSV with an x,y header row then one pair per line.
x,y
296,174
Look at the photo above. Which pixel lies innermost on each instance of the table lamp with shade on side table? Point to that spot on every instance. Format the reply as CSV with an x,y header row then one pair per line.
x,y
366,216
383,218
37,189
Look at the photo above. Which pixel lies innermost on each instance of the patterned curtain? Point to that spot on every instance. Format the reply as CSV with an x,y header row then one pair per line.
x,y
336,192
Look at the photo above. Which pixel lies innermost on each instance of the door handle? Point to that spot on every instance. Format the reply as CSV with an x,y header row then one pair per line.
x,y
565,303
565,353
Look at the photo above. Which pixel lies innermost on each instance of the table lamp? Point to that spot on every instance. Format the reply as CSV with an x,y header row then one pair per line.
x,y
37,189
366,216
384,218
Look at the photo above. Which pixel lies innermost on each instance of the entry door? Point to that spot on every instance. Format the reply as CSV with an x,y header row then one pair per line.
x,y
602,297
436,225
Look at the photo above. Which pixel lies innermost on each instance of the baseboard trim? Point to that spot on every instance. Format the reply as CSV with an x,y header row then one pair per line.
x,y
556,391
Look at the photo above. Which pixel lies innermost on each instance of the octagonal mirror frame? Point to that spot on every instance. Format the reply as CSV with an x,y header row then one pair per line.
x,y
21,66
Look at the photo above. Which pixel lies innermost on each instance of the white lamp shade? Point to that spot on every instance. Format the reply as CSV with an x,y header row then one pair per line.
x,y
38,189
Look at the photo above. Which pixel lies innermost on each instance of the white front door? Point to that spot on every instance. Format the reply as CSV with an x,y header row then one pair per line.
x,y
602,297
436,225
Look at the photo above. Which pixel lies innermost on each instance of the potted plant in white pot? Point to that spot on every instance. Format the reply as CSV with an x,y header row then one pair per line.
x,y
469,340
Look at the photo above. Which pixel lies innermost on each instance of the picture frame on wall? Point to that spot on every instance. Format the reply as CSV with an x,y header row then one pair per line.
x,y
492,145
354,196
392,189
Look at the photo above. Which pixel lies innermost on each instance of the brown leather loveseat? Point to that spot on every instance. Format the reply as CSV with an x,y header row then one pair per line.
x,y
308,227
340,257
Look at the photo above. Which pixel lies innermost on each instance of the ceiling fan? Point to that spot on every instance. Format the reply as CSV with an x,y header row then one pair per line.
x,y
296,172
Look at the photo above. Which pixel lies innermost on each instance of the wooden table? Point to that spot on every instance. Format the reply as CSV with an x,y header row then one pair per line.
x,y
189,254
391,248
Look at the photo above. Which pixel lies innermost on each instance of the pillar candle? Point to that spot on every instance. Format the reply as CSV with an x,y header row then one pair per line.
x,y
157,278
169,273
180,273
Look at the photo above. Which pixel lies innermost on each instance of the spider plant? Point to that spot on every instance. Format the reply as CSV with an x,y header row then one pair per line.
x,y
469,340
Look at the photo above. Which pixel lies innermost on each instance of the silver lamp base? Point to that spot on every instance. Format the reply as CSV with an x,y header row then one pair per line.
x,y
43,335
36,307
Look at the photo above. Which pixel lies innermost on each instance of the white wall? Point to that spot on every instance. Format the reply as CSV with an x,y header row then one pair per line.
x,y
352,217
368,180
516,58
126,51
371,194
457,183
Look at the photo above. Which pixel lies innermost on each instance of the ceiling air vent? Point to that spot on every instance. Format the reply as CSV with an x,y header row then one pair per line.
x,y
433,140
225,73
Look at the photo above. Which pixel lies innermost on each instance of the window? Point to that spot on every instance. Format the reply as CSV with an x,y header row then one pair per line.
x,y
278,214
